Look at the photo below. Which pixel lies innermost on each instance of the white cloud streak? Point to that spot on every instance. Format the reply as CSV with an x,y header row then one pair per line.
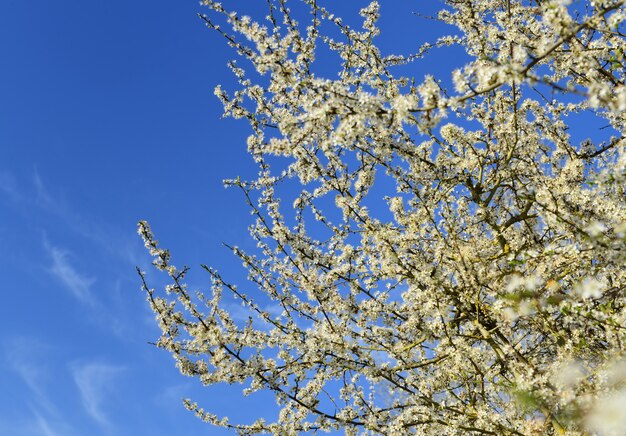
x,y
26,356
95,383
78,284
8,185
23,355
44,426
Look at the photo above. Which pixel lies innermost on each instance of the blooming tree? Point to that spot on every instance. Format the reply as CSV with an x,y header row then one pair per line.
x,y
453,261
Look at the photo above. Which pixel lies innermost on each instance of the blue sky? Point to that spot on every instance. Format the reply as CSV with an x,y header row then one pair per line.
x,y
107,116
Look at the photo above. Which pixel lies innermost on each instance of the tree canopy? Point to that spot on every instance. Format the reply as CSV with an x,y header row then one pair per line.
x,y
435,255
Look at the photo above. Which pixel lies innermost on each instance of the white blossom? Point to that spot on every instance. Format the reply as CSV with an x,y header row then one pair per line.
x,y
590,288
607,418
410,275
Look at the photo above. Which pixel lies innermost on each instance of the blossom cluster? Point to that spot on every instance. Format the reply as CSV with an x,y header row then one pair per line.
x,y
484,291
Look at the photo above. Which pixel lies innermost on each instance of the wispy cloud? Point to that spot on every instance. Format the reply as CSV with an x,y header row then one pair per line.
x,y
44,198
89,227
38,193
112,252
79,285
104,301
8,185
44,426
95,383
23,354
34,423
172,396
27,357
